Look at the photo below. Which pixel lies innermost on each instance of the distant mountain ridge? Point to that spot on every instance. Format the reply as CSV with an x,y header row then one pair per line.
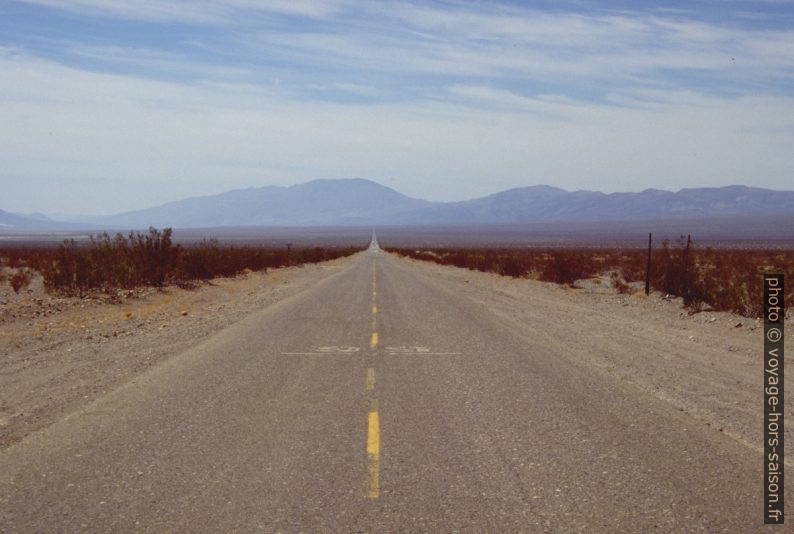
x,y
315,203
34,221
359,202
548,204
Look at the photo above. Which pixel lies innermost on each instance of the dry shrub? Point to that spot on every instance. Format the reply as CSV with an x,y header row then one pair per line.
x,y
619,284
722,280
151,259
513,265
566,267
20,279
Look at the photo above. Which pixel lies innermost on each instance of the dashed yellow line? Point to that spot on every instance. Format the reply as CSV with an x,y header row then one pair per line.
x,y
373,451
373,420
373,342
370,379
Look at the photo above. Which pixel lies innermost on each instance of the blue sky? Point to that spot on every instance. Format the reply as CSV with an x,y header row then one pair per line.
x,y
107,105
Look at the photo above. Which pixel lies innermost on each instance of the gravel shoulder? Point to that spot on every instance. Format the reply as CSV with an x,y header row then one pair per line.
x,y
59,354
707,365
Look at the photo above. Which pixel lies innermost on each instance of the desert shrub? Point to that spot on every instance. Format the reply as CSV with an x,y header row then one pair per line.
x,y
725,280
669,272
732,280
152,259
420,255
153,256
619,283
513,265
209,260
109,263
203,262
20,279
632,264
567,267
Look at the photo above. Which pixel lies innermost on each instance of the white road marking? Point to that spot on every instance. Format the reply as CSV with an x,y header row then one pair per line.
x,y
317,353
338,349
425,353
407,349
418,351
326,350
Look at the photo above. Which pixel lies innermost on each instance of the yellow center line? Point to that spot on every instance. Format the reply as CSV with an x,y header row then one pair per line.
x,y
373,342
373,451
373,421
370,379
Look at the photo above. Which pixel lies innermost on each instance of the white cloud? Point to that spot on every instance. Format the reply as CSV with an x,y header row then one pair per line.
x,y
534,46
195,11
157,61
464,40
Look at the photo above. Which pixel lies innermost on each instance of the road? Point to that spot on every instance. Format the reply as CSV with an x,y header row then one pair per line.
x,y
377,400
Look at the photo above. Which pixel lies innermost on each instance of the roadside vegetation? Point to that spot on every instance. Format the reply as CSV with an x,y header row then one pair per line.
x,y
108,263
716,279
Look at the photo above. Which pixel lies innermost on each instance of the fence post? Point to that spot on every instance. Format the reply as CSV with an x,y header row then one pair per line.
x,y
686,267
648,268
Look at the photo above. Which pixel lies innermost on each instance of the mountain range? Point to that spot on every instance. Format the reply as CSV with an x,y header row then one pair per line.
x,y
359,202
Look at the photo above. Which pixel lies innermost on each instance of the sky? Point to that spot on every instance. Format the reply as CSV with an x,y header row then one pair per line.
x,y
108,106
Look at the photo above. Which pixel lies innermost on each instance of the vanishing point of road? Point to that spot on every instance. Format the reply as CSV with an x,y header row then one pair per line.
x,y
376,401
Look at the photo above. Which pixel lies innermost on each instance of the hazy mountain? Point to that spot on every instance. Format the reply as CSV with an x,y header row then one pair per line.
x,y
13,219
15,222
357,201
316,203
32,221
545,204
363,202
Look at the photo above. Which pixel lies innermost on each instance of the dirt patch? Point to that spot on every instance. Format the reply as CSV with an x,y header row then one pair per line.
x,y
57,354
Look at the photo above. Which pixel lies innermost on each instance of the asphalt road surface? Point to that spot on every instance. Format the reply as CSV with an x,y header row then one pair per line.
x,y
377,401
